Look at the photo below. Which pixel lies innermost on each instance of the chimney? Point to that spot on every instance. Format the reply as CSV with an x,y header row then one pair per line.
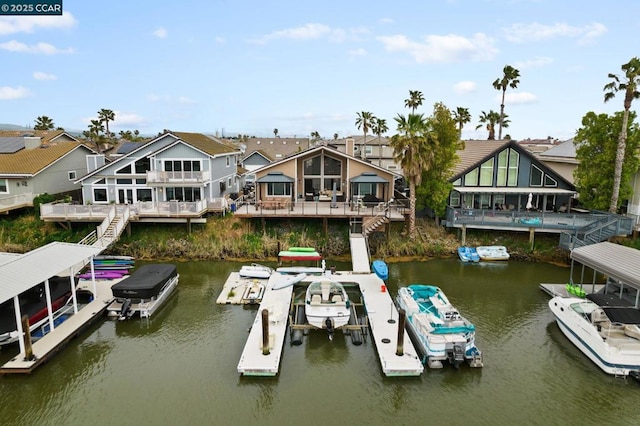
x,y
349,146
31,142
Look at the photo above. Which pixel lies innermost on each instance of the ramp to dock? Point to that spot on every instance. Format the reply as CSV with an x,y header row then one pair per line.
x,y
359,254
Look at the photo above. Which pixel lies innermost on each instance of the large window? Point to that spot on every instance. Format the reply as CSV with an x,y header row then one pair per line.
x,y
100,195
471,178
143,194
182,165
4,186
507,168
278,188
536,176
183,194
321,173
486,173
142,166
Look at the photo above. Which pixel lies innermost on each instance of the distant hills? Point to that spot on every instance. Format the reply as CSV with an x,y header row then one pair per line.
x,y
4,126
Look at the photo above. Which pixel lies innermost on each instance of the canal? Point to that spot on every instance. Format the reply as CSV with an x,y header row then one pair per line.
x,y
180,367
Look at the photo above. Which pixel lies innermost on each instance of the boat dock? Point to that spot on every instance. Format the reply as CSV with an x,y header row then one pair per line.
x,y
561,289
359,254
235,287
382,319
32,268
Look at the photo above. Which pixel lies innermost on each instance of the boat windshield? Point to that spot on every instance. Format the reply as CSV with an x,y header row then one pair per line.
x,y
584,308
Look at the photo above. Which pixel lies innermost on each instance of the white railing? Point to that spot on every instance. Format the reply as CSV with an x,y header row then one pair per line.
x,y
157,176
74,210
17,200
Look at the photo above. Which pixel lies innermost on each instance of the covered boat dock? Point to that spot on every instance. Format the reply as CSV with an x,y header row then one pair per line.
x,y
620,266
21,273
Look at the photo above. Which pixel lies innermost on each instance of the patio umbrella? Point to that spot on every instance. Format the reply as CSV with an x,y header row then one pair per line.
x,y
529,205
334,204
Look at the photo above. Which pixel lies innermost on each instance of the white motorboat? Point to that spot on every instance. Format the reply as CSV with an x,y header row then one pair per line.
x,y
144,291
492,252
255,271
608,335
327,305
438,330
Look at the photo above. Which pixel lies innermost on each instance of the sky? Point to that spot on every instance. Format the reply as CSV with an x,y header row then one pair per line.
x,y
229,67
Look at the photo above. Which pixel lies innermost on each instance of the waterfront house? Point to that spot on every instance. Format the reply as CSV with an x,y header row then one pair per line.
x,y
175,166
38,162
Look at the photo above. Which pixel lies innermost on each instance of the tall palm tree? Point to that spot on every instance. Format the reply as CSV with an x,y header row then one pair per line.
x,y
335,136
489,121
275,133
509,78
105,116
414,101
96,134
315,136
461,116
629,85
364,122
43,123
411,150
379,127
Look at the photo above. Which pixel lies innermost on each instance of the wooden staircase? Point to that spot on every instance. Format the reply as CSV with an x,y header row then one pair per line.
x,y
371,224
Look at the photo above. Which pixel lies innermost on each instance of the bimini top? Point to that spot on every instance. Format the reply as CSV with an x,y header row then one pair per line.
x,y
619,262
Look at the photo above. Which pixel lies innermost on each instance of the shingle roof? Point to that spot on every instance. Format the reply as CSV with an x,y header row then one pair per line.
x,y
32,161
205,143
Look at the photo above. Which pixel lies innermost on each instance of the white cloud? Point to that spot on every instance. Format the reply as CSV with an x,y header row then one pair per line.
x,y
387,21
220,40
464,87
537,62
357,52
185,100
43,48
29,24
8,93
161,32
44,76
521,33
517,98
443,49
313,32
123,119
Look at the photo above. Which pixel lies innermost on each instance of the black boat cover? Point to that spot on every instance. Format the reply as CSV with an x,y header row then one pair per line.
x,y
623,315
608,300
146,282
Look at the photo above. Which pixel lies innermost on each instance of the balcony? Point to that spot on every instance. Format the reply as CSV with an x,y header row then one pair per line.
x,y
184,178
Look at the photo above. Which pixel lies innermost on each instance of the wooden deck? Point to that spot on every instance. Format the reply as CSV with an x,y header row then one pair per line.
x,y
302,209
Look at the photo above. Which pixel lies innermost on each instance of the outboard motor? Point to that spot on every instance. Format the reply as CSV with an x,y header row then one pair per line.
x,y
456,357
125,311
329,326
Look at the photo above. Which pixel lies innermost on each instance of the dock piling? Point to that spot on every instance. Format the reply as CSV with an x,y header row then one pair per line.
x,y
402,315
28,349
265,332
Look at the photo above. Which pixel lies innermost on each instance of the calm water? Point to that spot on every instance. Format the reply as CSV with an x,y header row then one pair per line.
x,y
180,368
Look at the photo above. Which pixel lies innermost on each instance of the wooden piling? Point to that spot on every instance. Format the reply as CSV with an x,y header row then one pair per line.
x,y
28,349
265,332
402,316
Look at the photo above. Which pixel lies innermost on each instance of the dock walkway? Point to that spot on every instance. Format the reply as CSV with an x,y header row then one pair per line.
x,y
382,318
52,342
359,254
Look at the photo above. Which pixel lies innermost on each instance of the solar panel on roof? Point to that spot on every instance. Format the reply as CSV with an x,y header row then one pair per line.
x,y
9,145
127,147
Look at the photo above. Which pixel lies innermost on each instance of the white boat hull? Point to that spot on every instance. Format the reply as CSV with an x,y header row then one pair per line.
x,y
617,353
327,305
146,307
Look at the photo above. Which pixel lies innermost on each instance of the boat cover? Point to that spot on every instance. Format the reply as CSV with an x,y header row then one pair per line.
x,y
146,282
623,315
607,300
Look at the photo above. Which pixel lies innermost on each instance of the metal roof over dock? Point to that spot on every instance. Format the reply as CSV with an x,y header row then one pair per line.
x,y
618,262
20,273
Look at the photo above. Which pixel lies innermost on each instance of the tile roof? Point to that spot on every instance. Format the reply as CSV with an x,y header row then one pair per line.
x,y
205,143
46,136
32,161
475,151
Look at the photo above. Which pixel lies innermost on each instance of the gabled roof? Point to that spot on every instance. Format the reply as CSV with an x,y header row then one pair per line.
x,y
331,151
205,143
46,136
32,161
564,151
475,152
261,153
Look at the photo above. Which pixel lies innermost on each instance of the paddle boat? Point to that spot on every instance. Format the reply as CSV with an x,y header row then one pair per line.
x,y
608,333
327,305
492,253
380,269
144,291
437,329
468,254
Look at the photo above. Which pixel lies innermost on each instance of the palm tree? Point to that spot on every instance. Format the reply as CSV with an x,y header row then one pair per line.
x,y
411,150
461,116
96,134
43,123
379,127
105,116
275,133
489,120
414,101
364,122
315,136
629,86
509,79
335,136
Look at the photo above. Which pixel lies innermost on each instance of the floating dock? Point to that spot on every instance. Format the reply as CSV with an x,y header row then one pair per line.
x,y
382,319
561,289
235,288
54,341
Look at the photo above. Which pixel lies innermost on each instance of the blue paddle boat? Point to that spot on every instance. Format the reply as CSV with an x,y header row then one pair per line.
x,y
380,269
468,254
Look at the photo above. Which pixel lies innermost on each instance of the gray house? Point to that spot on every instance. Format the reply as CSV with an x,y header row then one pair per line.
x,y
175,166
32,164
